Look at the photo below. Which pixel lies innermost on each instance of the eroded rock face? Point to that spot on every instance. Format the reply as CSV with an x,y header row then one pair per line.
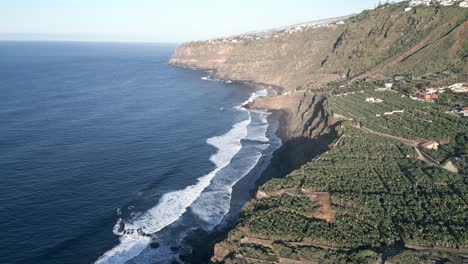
x,y
220,254
289,60
202,55
304,114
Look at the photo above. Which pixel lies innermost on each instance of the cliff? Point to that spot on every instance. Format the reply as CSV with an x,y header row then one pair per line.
x,y
383,42
317,212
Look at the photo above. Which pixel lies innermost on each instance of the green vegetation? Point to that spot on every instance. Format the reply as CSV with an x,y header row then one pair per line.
x,y
381,194
373,40
376,193
420,121
257,252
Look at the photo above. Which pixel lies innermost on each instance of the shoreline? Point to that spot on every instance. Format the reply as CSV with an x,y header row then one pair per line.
x,y
279,113
279,90
203,242
289,155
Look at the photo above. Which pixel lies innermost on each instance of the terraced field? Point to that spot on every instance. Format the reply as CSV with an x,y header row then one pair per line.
x,y
399,116
380,193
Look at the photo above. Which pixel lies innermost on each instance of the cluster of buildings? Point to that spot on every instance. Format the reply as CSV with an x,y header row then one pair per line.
x,y
462,3
278,32
462,111
431,94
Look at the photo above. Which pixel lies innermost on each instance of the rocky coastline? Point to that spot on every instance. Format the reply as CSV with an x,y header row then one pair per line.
x,y
305,129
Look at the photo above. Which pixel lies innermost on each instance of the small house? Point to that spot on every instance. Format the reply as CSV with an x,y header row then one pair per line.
x,y
429,97
374,100
430,145
463,111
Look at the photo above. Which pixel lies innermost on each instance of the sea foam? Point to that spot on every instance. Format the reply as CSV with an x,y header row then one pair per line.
x,y
208,199
174,204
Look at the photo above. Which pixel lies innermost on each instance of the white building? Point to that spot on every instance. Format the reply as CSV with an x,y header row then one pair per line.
x,y
462,3
374,100
430,145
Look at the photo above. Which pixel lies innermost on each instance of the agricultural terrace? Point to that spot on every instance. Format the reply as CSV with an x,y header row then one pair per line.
x,y
380,194
419,121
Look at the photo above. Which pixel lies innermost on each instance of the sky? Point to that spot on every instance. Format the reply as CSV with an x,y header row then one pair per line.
x,y
159,20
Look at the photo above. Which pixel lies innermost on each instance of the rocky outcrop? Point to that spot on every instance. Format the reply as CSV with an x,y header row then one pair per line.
x,y
303,114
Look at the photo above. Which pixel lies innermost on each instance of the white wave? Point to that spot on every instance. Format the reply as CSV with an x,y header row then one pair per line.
x,y
257,130
214,203
210,206
253,96
174,204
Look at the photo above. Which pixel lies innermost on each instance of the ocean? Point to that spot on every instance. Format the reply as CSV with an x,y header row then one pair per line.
x,y
111,155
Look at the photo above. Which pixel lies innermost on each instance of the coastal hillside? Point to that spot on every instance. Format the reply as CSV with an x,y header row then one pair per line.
x,y
390,40
374,162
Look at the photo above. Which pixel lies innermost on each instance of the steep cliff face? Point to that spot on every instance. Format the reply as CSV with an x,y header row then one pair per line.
x,y
306,128
304,114
381,42
285,59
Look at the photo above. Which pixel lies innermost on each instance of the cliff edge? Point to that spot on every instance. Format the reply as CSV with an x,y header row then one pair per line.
x,y
326,208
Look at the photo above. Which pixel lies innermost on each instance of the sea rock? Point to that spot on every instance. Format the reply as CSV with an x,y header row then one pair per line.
x,y
155,245
121,227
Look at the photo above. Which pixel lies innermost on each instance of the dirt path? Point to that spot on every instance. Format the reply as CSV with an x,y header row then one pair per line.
x,y
404,140
421,155
269,243
428,159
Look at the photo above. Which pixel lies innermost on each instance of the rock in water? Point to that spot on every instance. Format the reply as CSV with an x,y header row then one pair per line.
x,y
154,245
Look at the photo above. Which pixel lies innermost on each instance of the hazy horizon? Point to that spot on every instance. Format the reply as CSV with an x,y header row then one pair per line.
x,y
164,22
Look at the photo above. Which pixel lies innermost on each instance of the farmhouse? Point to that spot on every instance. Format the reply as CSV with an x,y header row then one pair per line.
x,y
430,145
429,97
463,111
393,112
374,100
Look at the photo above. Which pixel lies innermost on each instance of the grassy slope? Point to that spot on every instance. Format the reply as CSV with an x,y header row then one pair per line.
x,y
391,41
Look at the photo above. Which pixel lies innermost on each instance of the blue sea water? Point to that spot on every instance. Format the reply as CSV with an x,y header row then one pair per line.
x,y
97,134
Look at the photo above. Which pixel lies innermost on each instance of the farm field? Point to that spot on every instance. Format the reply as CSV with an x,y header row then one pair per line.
x,y
399,116
377,192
